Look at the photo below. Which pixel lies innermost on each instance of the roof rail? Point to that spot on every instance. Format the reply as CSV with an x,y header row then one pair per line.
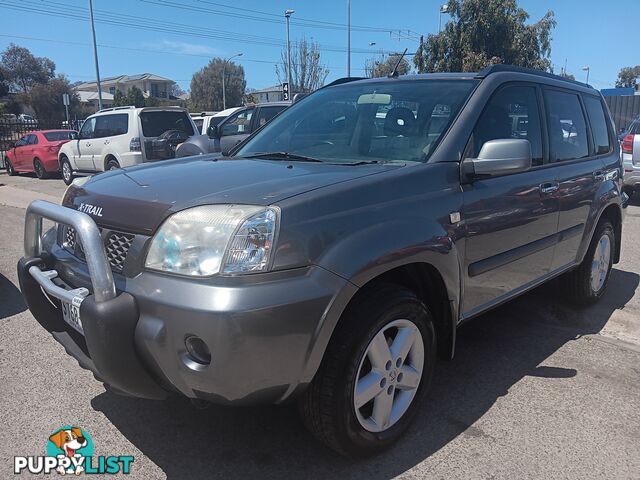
x,y
111,109
501,67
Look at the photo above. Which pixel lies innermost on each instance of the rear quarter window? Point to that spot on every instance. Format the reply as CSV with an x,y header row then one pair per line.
x,y
598,121
155,123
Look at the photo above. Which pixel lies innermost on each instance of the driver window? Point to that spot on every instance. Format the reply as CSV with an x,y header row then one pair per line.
x,y
511,113
238,124
88,127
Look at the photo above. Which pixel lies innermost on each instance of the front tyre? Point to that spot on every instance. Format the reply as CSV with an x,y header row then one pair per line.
x,y
374,373
9,166
586,284
66,170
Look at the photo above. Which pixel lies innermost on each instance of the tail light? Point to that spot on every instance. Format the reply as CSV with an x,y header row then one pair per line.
x,y
627,144
53,148
135,145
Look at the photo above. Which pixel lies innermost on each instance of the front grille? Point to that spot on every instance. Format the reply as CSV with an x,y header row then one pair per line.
x,y
116,245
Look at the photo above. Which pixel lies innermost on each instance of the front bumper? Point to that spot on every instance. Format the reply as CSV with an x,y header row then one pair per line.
x,y
266,332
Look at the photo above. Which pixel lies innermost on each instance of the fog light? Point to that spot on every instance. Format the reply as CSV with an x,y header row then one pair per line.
x,y
198,350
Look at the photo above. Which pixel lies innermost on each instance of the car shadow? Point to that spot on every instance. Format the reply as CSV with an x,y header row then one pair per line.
x,y
493,353
11,302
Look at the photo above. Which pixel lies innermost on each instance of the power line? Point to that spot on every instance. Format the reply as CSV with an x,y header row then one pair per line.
x,y
155,25
146,50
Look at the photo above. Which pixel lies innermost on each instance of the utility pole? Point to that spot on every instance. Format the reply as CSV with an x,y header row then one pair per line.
x,y
287,14
348,38
586,69
224,74
95,54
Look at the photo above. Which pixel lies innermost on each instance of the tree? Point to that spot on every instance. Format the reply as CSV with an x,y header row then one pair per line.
x,y
175,90
46,100
307,73
566,75
383,67
486,32
21,70
628,76
119,99
135,97
206,85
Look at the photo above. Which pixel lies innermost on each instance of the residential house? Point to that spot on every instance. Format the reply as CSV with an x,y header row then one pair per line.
x,y
150,84
269,94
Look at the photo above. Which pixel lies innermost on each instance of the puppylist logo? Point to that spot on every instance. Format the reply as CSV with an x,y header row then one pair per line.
x,y
70,451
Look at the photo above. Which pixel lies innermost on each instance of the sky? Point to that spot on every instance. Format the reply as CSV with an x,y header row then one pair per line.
x,y
175,38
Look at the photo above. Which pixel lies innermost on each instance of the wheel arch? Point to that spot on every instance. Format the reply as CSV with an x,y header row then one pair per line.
x,y
107,158
613,213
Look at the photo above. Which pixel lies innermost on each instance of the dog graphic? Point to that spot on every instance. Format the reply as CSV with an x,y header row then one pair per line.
x,y
69,441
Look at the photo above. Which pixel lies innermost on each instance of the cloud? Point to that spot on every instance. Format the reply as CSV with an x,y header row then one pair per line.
x,y
186,48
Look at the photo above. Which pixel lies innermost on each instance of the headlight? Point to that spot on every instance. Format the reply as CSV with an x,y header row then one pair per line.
x,y
210,239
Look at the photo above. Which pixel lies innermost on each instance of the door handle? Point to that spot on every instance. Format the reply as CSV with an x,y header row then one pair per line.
x,y
549,187
598,175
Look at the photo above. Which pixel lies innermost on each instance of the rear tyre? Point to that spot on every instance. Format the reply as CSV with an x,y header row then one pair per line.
x,y
587,283
39,169
66,170
10,170
374,374
112,165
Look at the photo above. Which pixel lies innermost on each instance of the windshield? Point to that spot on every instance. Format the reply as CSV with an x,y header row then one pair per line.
x,y
156,122
365,122
60,135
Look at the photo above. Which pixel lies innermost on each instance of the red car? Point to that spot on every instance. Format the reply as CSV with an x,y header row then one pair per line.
x,y
37,152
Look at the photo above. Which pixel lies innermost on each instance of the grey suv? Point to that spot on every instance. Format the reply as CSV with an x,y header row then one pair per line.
x,y
334,255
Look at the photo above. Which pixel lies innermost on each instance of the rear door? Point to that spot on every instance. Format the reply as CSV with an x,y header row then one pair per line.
x,y
511,220
235,129
577,165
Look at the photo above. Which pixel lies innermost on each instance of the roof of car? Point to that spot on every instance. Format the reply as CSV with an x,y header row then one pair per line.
x,y
492,69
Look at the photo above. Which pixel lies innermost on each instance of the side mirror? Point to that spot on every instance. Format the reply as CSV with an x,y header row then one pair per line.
x,y
74,136
500,157
212,132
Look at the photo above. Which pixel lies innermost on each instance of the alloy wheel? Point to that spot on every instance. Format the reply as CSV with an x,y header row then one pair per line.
x,y
389,375
600,263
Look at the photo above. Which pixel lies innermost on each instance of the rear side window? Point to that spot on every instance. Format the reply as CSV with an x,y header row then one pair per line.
x,y
598,122
266,114
57,136
33,139
511,113
156,122
567,126
111,125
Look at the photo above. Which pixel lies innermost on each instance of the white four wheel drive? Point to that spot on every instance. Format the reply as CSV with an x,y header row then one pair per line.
x,y
124,136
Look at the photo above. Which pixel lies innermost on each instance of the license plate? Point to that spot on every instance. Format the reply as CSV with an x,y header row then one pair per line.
x,y
71,315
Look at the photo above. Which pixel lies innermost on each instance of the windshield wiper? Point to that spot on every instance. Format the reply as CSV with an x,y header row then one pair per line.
x,y
282,156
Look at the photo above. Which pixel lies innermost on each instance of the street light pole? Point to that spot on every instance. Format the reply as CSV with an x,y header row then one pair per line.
x,y
443,9
287,14
224,74
348,38
586,69
95,54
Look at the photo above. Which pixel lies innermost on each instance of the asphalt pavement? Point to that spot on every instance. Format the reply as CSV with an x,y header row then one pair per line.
x,y
538,389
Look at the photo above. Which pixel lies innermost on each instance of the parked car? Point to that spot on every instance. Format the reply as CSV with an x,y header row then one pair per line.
x,y
204,120
37,152
125,136
630,148
28,119
325,261
228,128
240,124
